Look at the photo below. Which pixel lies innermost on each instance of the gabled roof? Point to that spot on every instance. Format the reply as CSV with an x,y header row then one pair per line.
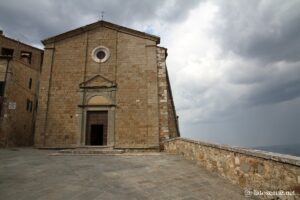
x,y
97,24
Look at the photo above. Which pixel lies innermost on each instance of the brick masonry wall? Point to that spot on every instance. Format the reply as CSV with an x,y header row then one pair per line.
x,y
58,122
18,47
3,64
251,169
40,136
137,101
17,125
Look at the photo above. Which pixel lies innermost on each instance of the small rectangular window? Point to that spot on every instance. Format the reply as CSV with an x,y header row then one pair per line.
x,y
7,52
27,104
30,106
36,105
26,56
2,85
30,83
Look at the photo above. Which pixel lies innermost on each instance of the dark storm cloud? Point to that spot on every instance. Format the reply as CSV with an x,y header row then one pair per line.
x,y
258,126
275,93
266,83
263,33
31,21
235,70
34,19
265,30
245,90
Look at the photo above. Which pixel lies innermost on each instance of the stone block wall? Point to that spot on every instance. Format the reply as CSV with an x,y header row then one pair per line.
x,y
131,72
168,127
172,116
162,96
251,169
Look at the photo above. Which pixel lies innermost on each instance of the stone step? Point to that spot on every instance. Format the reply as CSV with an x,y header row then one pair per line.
x,y
91,151
95,147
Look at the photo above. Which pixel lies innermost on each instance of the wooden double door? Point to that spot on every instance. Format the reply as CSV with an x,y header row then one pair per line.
x,y
96,130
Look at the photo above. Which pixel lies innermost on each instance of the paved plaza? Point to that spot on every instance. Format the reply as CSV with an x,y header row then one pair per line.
x,y
29,174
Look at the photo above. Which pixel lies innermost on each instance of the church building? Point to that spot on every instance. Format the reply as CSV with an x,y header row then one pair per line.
x,y
107,85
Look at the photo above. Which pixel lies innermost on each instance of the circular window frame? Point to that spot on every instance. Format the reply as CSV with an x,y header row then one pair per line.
x,y
97,50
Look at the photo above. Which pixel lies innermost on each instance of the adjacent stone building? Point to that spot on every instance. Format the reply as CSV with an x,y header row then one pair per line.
x,y
104,84
20,66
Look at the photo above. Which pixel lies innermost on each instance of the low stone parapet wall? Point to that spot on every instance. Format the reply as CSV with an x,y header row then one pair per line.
x,y
261,174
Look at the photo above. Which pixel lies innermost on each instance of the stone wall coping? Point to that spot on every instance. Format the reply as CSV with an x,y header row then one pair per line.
x,y
277,157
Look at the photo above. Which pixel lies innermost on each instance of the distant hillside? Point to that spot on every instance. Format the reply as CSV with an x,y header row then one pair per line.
x,y
291,149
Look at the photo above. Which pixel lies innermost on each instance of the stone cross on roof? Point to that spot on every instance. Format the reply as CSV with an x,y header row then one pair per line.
x,y
102,15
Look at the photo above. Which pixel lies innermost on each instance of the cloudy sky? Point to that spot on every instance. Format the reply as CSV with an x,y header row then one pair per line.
x,y
234,65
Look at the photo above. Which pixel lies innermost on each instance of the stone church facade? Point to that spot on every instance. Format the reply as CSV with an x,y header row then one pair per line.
x,y
104,84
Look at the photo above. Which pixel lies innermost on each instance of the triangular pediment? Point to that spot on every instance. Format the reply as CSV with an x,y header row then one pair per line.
x,y
98,24
97,81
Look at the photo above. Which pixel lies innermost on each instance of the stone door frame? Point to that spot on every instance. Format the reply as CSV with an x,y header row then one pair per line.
x,y
110,123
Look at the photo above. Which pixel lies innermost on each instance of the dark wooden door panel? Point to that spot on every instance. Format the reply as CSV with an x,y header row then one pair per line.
x,y
96,134
96,128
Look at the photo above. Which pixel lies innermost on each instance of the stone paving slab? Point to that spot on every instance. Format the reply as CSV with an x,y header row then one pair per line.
x,y
34,174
